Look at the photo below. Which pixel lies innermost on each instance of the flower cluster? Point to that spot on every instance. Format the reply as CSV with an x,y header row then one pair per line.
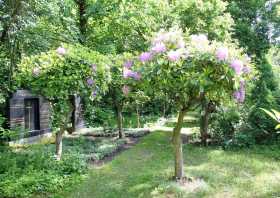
x,y
172,43
239,95
61,51
172,46
129,73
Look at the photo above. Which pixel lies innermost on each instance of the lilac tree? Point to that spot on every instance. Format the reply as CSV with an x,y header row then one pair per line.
x,y
59,74
125,79
188,68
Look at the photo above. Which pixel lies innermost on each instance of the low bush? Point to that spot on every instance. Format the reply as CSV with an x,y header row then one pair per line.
x,y
230,128
34,170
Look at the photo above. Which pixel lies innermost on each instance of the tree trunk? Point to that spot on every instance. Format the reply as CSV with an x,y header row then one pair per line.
x,y
138,117
120,120
58,143
164,110
177,141
204,125
83,19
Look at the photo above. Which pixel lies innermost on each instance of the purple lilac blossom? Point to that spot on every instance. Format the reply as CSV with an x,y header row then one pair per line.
x,y
237,65
94,94
246,70
61,51
128,64
145,57
222,54
174,56
90,81
127,73
94,67
125,90
239,95
236,95
159,48
137,76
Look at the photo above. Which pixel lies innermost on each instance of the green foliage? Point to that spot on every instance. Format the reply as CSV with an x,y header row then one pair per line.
x,y
229,127
263,96
209,17
274,115
255,29
107,149
126,24
5,79
60,76
34,170
104,116
248,28
223,124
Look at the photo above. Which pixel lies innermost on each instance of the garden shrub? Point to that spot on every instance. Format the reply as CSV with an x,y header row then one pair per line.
x,y
263,96
34,170
223,124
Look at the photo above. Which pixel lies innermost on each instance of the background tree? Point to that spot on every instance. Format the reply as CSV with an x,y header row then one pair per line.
x,y
137,100
123,82
126,24
256,28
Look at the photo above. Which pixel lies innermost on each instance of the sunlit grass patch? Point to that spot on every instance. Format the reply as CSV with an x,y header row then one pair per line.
x,y
146,171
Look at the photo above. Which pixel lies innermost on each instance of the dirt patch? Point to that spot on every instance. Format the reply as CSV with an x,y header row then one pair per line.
x,y
191,185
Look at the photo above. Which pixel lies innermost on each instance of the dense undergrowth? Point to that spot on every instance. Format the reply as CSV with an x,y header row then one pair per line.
x,y
34,171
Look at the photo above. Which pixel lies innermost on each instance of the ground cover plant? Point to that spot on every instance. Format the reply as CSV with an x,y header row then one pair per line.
x,y
33,170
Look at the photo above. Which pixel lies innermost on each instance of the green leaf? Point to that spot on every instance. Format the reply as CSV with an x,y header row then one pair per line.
x,y
272,115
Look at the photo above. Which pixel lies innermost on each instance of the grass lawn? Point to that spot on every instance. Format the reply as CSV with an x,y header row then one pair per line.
x,y
146,170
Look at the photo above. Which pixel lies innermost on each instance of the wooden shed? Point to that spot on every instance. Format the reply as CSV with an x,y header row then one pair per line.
x,y
30,115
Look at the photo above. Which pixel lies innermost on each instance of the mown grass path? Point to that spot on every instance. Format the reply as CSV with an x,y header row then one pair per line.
x,y
145,171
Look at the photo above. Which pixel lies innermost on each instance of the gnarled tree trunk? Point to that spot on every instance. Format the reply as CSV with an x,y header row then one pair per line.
x,y
177,141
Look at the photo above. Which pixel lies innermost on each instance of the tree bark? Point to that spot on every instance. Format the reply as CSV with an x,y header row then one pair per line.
x,y
138,117
83,20
204,124
58,143
177,141
120,120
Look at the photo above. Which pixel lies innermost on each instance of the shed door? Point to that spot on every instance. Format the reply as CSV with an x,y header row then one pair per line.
x,y
31,114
